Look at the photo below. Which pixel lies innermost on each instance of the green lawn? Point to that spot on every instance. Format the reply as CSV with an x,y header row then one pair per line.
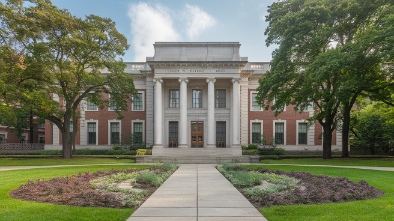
x,y
12,209
381,208
381,162
47,161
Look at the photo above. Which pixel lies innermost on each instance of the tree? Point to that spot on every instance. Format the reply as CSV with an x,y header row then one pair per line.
x,y
323,58
73,58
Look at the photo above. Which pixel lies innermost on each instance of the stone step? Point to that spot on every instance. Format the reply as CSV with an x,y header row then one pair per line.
x,y
197,159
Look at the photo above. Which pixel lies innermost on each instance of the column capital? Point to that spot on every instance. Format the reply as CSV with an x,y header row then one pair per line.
x,y
183,79
160,80
213,80
238,79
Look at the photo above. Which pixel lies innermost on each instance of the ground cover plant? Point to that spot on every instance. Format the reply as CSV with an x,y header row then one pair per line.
x,y
98,189
287,188
354,161
381,208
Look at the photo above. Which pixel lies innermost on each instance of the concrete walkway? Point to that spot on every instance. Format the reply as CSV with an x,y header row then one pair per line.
x,y
197,192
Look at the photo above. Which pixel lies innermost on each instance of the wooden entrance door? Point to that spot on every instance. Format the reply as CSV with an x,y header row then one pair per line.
x,y
197,134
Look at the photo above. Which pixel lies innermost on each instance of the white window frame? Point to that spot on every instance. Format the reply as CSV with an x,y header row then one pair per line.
x,y
143,101
307,131
284,130
284,106
109,104
143,128
251,128
251,101
97,135
109,130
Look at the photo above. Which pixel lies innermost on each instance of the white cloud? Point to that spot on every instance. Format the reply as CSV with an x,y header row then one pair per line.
x,y
197,21
149,24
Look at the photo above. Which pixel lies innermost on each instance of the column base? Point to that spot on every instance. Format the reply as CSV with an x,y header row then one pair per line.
x,y
211,146
182,146
157,150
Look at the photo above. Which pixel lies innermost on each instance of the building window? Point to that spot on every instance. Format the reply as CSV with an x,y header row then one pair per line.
x,y
174,98
256,132
302,133
281,108
41,140
115,132
2,138
137,133
92,133
71,129
220,98
279,133
138,102
221,134
255,105
111,105
91,106
196,98
173,134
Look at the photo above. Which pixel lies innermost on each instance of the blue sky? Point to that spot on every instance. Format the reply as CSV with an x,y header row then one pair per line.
x,y
149,21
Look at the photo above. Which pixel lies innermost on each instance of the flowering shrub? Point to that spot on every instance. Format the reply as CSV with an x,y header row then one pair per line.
x,y
304,188
97,189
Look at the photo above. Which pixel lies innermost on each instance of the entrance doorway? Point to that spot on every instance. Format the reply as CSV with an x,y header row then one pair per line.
x,y
197,134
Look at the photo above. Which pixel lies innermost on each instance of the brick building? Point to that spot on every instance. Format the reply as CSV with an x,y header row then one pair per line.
x,y
193,97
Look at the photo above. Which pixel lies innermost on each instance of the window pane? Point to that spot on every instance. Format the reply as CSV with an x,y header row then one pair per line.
x,y
115,133
91,106
91,133
196,98
255,105
138,102
279,133
221,134
220,101
174,98
302,133
256,132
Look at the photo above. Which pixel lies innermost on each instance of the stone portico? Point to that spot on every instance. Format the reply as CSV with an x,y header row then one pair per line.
x,y
196,88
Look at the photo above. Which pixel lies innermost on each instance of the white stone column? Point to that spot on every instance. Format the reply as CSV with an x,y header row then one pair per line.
x,y
211,133
158,146
182,139
236,112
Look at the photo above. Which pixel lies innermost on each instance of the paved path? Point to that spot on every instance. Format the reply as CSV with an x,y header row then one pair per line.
x,y
197,192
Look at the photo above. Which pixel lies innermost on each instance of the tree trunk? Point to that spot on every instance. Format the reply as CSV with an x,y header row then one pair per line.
x,y
345,132
327,140
66,138
31,136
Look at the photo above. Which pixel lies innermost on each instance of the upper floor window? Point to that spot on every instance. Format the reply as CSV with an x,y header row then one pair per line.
x,y
91,106
138,102
196,98
174,98
255,105
220,98
111,105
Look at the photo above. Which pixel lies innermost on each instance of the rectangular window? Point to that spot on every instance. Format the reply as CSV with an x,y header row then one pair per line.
x,y
256,132
220,98
173,134
196,98
115,132
92,133
279,133
138,103
2,138
255,105
174,98
138,133
71,129
302,133
111,105
281,108
221,134
91,106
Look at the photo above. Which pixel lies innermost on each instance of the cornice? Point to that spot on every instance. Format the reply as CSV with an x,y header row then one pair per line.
x,y
196,64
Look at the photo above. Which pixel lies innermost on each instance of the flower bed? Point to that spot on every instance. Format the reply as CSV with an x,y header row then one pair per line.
x,y
99,189
287,188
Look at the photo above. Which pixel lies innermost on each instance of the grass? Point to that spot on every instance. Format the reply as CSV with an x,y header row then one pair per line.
x,y
12,209
381,208
48,161
383,162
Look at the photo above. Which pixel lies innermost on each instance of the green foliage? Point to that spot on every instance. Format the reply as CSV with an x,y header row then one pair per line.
x,y
122,151
239,178
329,54
273,151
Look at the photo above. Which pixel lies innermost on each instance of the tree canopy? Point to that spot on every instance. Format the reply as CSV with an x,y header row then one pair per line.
x,y
330,52
47,51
